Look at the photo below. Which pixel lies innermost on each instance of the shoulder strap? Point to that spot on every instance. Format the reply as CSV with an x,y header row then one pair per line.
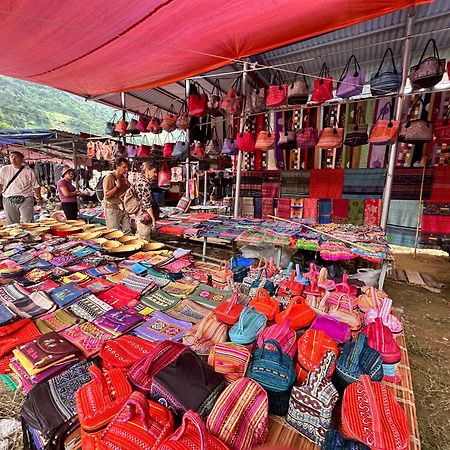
x,y
13,178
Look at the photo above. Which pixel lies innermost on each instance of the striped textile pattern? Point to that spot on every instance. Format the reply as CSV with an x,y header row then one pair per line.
x,y
240,416
229,359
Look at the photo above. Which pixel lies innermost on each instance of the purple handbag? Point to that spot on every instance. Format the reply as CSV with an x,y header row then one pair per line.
x,y
117,321
351,83
339,331
161,327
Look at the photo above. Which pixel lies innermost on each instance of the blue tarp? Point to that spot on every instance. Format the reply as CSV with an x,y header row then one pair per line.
x,y
21,136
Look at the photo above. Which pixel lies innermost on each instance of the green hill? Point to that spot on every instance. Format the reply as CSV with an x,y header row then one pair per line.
x,y
30,105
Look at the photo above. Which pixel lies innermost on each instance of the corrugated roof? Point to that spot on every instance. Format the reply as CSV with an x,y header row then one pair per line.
x,y
367,40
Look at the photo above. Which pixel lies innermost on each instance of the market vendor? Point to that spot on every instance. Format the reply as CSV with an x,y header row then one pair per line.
x,y
149,211
114,186
18,184
68,194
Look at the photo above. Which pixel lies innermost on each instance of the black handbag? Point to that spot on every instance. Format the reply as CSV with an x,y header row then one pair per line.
x,y
386,79
357,132
187,383
50,407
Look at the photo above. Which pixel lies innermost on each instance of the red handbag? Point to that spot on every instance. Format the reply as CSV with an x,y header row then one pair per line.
x,y
276,93
245,141
290,287
380,338
168,149
298,314
121,126
197,101
144,150
101,399
183,118
164,176
265,139
198,150
441,129
232,102
154,125
141,423
265,304
323,86
169,122
229,312
192,434
143,121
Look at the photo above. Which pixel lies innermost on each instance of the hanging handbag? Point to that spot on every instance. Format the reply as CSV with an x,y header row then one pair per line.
x,y
215,100
245,141
182,122
323,86
427,72
132,150
229,143
141,423
232,102
265,304
143,121
204,334
441,129
214,145
192,435
311,404
198,150
170,119
287,135
181,148
357,132
121,126
229,312
384,132
132,125
164,176
168,149
364,406
231,360
352,83
386,80
187,383
197,101
143,150
111,125
307,136
276,92
154,124
274,371
415,131
265,139
257,100
298,91
331,136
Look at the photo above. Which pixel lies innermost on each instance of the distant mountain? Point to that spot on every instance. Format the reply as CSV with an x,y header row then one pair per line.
x,y
30,105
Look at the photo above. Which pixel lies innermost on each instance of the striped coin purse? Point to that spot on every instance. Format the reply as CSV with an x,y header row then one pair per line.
x,y
229,359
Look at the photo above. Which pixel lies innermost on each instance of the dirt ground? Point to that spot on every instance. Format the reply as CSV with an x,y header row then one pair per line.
x,y
427,326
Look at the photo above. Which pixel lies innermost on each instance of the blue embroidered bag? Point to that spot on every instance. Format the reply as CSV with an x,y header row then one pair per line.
x,y
67,294
247,328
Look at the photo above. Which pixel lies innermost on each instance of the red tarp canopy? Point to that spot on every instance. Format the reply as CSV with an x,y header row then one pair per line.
x,y
92,47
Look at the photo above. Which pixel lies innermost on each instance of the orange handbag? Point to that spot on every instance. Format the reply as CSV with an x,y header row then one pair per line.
x,y
384,132
265,304
290,287
298,314
229,312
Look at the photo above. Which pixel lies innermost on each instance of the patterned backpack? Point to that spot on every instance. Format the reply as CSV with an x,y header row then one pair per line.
x,y
240,416
312,403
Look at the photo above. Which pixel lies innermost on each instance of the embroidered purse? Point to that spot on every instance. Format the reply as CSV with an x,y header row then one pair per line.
x,y
204,334
160,300
161,327
117,322
87,336
210,297
188,311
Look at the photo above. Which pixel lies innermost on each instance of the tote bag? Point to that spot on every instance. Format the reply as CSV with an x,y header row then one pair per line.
x,y
323,86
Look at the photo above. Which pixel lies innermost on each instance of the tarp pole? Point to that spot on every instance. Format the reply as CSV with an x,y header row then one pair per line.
x,y
124,113
406,60
187,87
237,192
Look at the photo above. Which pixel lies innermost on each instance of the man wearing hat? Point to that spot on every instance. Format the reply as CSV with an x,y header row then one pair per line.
x,y
18,184
68,193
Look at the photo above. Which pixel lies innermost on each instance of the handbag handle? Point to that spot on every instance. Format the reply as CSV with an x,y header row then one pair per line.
x,y
157,114
229,133
338,304
385,309
216,87
203,322
411,110
136,406
387,106
194,419
163,353
276,345
435,51
297,73
171,111
359,117
347,67
344,285
183,108
262,263
214,135
262,296
277,75
388,50
323,372
324,72
99,377
182,134
232,302
246,312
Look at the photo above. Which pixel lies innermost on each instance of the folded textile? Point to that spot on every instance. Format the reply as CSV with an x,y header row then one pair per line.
x,y
284,208
271,189
441,184
365,183
297,205
310,209
407,181
372,212
326,183
258,207
438,224
340,210
140,284
251,183
267,207
295,183
247,208
67,294
403,213
325,210
356,211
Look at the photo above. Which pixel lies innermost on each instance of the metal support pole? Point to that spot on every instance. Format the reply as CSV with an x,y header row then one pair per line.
x,y
124,113
187,87
205,188
237,193
398,115
75,164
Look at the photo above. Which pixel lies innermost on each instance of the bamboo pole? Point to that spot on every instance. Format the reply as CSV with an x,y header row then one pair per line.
x,y
419,208
361,247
